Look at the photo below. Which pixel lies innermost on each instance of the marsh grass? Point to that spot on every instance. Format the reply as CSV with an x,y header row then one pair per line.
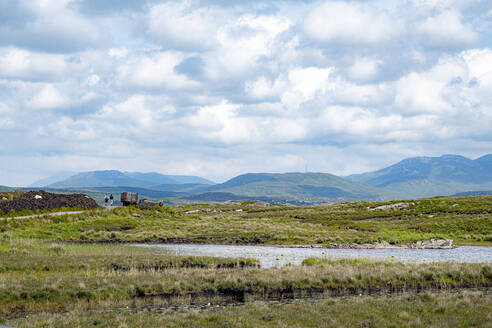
x,y
32,258
464,309
80,262
466,220
93,276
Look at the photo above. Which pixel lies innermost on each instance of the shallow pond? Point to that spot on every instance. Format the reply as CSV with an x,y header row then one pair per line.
x,y
278,256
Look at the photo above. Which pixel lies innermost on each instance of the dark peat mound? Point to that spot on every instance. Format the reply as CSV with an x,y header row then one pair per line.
x,y
42,200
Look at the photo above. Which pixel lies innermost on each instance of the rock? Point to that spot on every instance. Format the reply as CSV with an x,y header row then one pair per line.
x,y
239,210
422,244
4,198
368,246
433,244
396,206
38,197
193,211
137,215
383,244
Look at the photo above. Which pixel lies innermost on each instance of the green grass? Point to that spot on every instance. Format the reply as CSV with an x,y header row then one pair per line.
x,y
466,220
78,263
312,261
465,309
55,277
30,258
310,187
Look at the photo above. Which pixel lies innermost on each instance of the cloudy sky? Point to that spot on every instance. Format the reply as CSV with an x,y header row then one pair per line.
x,y
219,88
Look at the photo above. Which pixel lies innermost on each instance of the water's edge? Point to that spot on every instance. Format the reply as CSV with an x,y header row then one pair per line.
x,y
280,256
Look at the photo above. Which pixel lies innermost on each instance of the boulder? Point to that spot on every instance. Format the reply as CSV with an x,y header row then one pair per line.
x,y
433,244
259,204
395,207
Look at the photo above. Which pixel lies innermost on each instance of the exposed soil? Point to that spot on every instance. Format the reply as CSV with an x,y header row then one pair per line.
x,y
42,200
167,304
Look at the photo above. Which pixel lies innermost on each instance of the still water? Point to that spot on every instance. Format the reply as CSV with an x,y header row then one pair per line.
x,y
278,256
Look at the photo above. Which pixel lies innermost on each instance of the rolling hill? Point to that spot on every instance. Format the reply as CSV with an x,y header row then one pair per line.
x,y
432,176
113,178
298,188
161,179
410,178
293,186
52,179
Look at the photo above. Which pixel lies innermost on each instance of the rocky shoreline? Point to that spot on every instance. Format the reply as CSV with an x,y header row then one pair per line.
x,y
423,244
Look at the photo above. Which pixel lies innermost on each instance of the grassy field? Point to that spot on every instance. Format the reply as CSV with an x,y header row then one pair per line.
x,y
464,309
466,220
40,277
77,271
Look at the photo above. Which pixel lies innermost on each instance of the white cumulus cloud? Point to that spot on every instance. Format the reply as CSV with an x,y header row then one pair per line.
x,y
446,29
178,25
350,23
364,69
49,97
23,64
243,43
155,71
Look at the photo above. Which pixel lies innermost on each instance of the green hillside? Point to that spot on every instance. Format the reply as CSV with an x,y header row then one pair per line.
x,y
114,178
429,188
299,186
432,176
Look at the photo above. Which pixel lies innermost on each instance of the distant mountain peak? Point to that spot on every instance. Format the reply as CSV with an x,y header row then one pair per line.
x,y
431,176
115,178
293,185
52,179
453,156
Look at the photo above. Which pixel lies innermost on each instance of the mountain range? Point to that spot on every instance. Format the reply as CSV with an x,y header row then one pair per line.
x,y
432,176
296,186
113,178
410,178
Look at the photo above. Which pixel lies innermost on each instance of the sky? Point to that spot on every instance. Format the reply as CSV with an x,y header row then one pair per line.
x,y
220,88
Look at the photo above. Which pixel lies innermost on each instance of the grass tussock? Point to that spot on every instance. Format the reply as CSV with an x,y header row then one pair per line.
x,y
465,309
33,259
52,277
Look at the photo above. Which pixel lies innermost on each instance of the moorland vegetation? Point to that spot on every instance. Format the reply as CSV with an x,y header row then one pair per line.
x,y
79,270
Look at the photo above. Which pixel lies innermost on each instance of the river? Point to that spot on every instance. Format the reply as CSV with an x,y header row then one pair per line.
x,y
278,256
